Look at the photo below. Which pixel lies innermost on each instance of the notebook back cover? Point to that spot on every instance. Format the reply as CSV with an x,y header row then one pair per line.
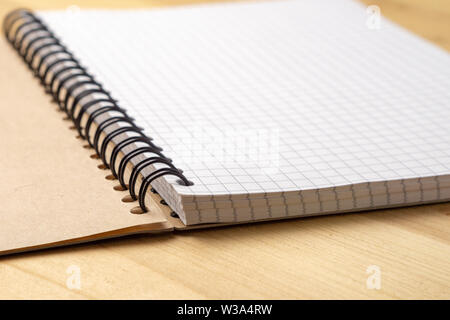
x,y
52,192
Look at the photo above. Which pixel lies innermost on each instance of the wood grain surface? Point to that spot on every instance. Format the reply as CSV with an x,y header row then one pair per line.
x,y
323,257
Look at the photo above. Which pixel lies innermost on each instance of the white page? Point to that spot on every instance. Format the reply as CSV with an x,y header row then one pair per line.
x,y
333,102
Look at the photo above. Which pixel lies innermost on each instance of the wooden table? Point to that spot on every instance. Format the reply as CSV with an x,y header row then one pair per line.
x,y
326,257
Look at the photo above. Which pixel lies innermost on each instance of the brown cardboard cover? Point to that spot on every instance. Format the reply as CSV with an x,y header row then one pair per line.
x,y
51,191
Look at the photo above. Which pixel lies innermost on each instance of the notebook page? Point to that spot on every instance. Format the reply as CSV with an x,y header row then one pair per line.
x,y
278,96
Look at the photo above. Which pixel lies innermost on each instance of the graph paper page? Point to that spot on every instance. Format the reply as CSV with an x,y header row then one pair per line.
x,y
280,96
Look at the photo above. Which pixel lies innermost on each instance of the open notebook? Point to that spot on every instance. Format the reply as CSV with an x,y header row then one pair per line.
x,y
248,111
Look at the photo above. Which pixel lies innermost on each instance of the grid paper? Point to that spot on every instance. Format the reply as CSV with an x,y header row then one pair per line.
x,y
348,105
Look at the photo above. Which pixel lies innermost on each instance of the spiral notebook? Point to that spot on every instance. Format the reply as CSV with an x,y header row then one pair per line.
x,y
228,113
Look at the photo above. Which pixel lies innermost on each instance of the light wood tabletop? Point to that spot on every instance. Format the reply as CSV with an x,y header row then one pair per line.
x,y
386,254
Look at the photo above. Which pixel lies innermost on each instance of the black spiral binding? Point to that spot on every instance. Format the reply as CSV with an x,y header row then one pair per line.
x,y
30,37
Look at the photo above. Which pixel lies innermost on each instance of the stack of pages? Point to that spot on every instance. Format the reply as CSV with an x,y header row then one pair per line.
x,y
276,109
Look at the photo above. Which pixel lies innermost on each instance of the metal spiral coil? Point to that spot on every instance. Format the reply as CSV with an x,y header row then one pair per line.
x,y
58,69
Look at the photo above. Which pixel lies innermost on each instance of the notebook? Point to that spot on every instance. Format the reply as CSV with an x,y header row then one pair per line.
x,y
217,114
